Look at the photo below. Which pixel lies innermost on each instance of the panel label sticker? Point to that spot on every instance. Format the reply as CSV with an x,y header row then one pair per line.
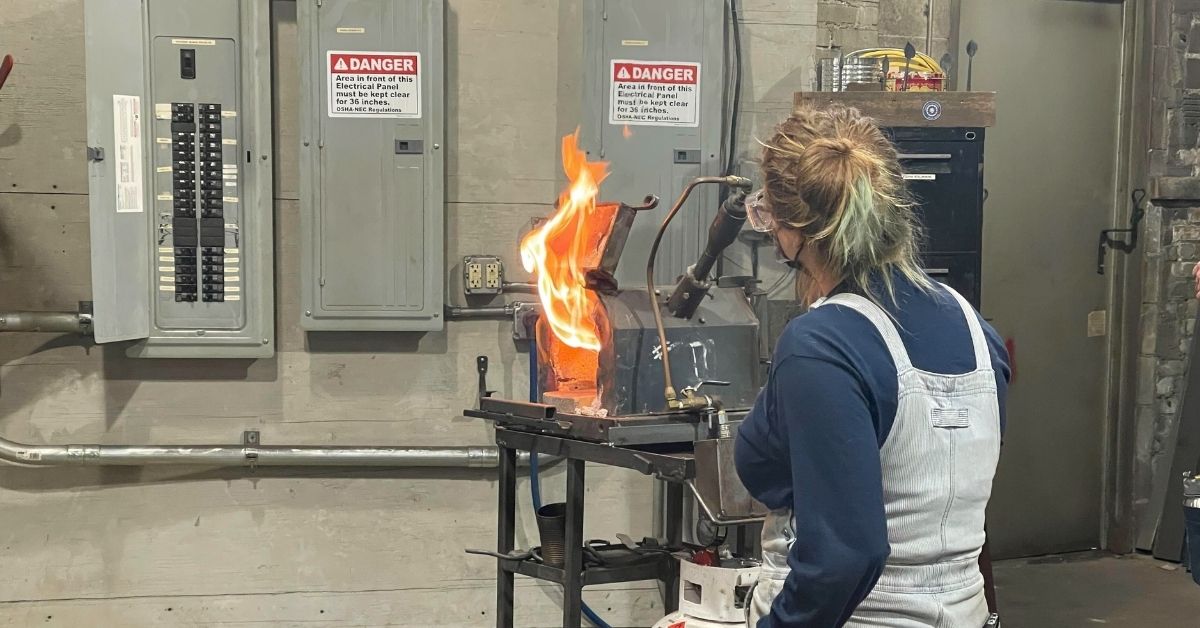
x,y
654,93
374,84
920,176
127,140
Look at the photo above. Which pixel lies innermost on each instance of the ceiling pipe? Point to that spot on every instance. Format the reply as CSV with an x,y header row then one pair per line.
x,y
252,455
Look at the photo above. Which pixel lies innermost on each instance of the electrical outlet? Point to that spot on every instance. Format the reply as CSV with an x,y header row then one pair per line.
x,y
482,274
492,274
474,274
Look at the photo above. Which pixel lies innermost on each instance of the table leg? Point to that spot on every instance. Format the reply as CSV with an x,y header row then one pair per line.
x,y
674,528
506,535
573,540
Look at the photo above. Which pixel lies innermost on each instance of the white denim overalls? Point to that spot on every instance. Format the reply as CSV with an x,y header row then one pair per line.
x,y
938,463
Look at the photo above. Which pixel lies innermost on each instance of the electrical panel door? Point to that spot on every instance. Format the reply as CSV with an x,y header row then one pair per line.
x,y
372,177
179,137
653,107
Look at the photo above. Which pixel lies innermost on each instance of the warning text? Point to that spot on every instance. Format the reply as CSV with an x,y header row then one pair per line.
x,y
655,93
374,84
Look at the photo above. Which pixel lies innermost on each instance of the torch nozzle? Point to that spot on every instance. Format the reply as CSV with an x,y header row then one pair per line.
x,y
741,183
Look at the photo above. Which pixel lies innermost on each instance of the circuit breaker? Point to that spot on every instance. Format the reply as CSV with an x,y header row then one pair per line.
x,y
179,144
654,77
372,166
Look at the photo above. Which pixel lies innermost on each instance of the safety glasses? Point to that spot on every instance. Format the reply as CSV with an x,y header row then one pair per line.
x,y
758,214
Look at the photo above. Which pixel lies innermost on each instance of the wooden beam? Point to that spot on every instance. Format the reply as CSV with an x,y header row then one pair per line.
x,y
909,109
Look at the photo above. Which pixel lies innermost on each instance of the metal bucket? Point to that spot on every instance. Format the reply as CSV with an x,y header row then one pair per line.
x,y
862,71
1191,514
552,528
829,75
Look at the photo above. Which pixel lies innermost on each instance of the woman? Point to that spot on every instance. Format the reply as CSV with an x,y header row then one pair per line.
x,y
876,438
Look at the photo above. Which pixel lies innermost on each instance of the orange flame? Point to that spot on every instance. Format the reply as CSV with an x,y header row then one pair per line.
x,y
558,251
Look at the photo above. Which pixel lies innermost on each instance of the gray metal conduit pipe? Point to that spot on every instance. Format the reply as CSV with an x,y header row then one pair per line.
x,y
249,455
252,456
50,322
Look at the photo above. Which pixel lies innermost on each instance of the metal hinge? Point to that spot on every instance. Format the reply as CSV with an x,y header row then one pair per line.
x,y
95,153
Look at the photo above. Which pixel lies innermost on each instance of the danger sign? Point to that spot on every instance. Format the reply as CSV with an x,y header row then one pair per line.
x,y
655,93
374,84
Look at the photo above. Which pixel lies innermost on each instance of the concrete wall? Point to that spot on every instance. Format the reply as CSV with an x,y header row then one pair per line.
x,y
188,546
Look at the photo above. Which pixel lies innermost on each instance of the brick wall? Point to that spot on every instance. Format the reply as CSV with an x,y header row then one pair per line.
x,y
856,24
851,24
1172,247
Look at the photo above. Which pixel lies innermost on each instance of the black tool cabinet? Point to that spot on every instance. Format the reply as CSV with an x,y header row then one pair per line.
x,y
944,171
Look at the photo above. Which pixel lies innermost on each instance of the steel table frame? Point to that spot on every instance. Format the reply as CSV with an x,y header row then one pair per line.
x,y
675,468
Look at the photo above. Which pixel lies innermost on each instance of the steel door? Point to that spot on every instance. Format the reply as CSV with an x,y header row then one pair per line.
x,y
1050,175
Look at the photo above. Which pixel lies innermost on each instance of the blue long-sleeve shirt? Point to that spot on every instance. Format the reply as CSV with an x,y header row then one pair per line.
x,y
811,444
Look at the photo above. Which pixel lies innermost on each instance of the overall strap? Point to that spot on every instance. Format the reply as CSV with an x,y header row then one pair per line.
x,y
883,323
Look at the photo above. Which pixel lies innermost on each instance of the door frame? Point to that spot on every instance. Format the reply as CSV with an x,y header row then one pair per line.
x,y
1125,283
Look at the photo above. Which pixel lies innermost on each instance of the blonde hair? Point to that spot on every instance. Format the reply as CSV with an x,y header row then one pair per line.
x,y
832,175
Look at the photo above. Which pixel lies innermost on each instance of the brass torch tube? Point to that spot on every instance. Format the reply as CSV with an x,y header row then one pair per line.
x,y
669,390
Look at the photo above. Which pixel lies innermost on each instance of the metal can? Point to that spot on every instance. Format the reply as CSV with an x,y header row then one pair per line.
x,y
1191,515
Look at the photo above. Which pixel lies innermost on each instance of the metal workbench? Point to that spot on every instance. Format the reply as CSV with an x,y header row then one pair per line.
x,y
675,464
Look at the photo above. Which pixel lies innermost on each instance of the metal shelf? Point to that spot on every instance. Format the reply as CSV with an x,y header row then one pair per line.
x,y
647,567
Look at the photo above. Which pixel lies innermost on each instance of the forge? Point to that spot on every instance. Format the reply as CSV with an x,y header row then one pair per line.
x,y
625,377
599,352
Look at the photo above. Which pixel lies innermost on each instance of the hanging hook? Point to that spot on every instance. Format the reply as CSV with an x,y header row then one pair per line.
x,y
1119,243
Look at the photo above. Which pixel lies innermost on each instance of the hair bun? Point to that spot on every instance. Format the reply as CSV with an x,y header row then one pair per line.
x,y
840,145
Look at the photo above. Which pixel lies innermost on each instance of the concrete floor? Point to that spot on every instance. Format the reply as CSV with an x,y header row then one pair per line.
x,y
1096,589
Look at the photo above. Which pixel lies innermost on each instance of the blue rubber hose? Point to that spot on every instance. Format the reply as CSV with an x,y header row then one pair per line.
x,y
535,484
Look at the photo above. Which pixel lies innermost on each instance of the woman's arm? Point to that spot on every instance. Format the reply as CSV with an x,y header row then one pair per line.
x,y
841,528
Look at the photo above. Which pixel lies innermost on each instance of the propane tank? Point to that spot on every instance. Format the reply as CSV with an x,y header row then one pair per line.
x,y
713,596
679,620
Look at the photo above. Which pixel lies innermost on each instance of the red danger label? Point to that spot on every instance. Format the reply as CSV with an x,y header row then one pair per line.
x,y
367,63
374,84
665,73
654,93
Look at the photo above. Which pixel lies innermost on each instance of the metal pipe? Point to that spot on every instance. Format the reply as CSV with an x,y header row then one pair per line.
x,y
516,286
458,312
50,322
929,30
251,456
714,517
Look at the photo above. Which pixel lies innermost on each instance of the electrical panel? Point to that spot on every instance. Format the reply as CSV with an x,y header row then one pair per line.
x,y
654,80
372,165
180,176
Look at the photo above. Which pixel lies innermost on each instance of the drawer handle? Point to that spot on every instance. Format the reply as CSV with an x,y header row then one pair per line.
x,y
937,272
926,156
